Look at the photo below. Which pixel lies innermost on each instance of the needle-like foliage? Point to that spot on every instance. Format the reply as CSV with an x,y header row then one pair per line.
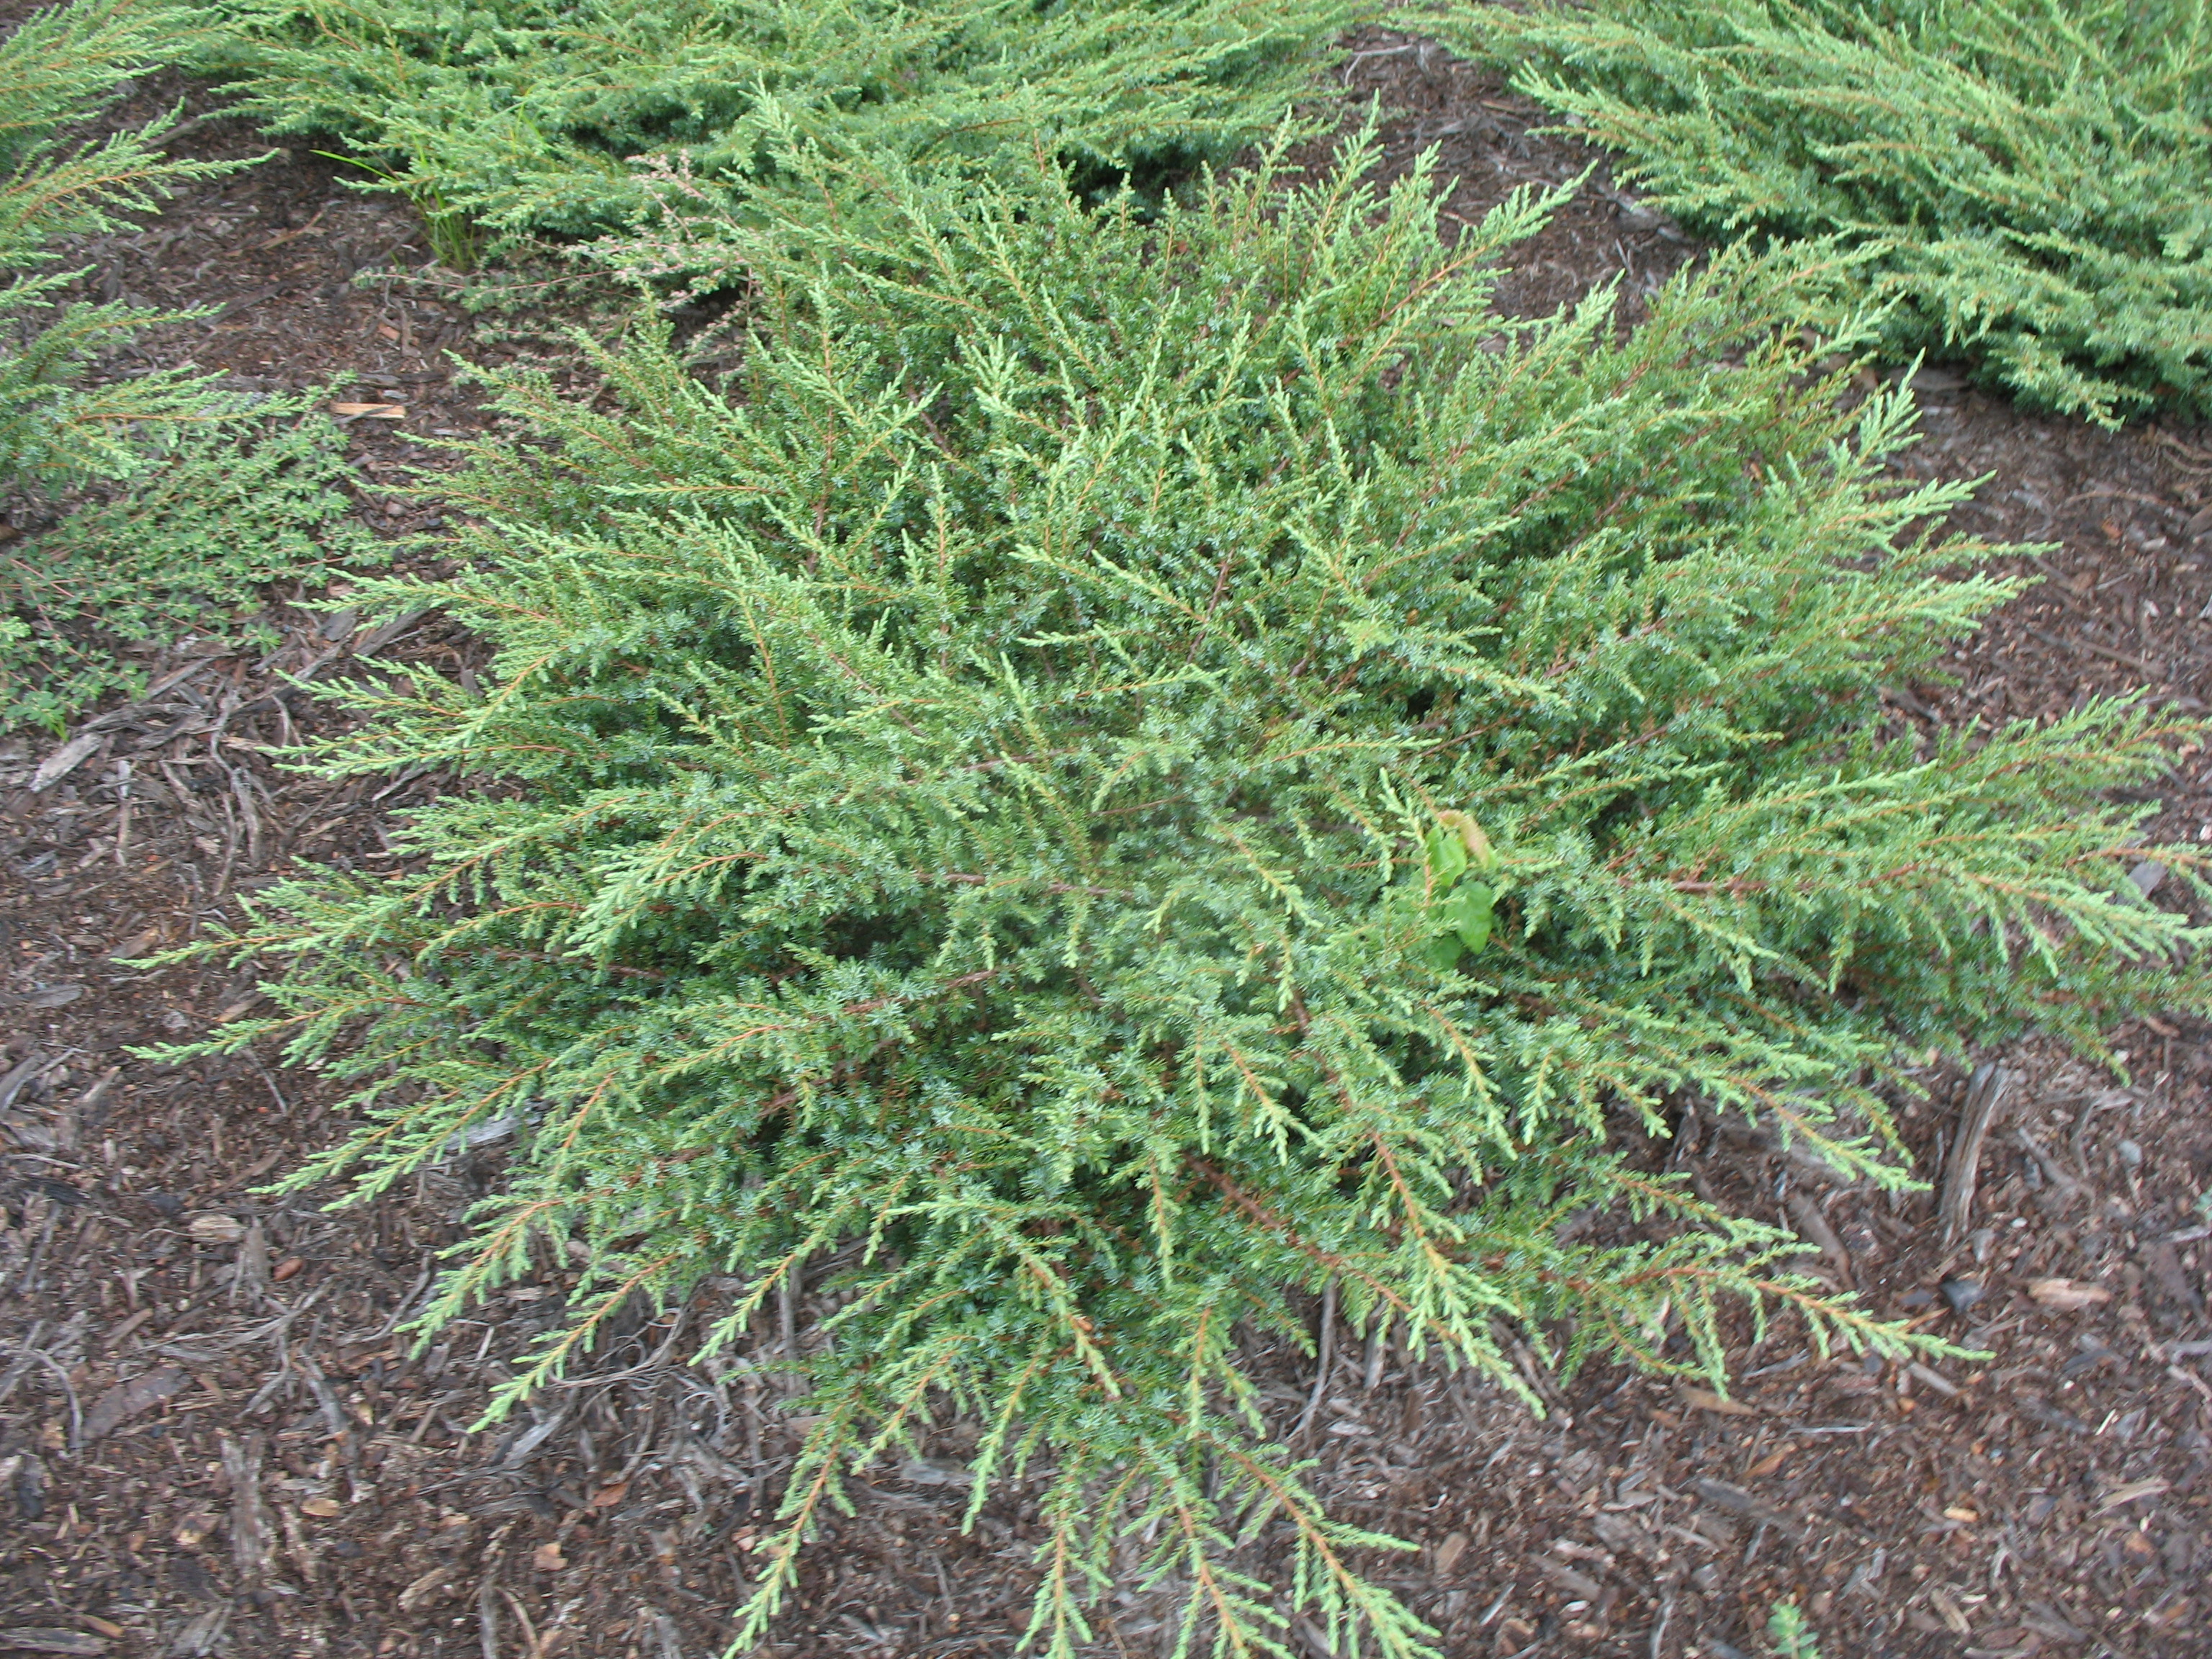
x,y
57,69
2034,176
1128,764
525,115
199,493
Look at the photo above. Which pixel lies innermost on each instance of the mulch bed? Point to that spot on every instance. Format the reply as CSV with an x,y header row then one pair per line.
x,y
214,1440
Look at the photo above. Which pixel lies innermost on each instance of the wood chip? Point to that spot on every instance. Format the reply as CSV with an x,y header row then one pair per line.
x,y
2165,1268
1736,1501
2066,1296
126,1399
1773,1460
251,1542
66,760
1813,1226
1575,1583
412,1598
202,1634
53,996
1934,1378
1948,1611
1984,1094
1449,1553
1706,1401
41,1639
2132,1490
213,1229
369,411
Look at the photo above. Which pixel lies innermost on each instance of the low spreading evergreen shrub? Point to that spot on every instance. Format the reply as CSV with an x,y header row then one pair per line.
x,y
525,115
185,495
57,69
1128,764
206,518
2034,179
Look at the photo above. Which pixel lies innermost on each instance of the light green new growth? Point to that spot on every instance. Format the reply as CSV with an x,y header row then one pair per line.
x,y
1787,1630
525,115
2033,177
977,804
198,493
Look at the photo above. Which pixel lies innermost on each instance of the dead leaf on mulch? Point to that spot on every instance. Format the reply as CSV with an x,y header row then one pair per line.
x,y
126,1399
2067,1296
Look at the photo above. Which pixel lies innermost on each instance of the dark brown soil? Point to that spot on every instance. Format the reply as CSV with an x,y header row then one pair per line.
x,y
214,1441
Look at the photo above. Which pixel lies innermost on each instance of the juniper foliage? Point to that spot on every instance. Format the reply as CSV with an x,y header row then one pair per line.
x,y
209,516
2035,176
176,496
525,115
992,803
59,69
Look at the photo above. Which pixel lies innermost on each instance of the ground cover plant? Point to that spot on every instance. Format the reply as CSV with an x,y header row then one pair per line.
x,y
518,115
197,493
1129,763
2033,179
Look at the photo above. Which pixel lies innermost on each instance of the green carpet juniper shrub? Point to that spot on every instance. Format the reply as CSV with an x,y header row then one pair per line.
x,y
175,496
527,116
1130,762
2034,179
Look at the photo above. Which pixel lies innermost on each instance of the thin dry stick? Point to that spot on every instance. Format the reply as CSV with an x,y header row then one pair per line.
x,y
123,813
489,1589
1984,1093
1321,1361
530,1643
487,1617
